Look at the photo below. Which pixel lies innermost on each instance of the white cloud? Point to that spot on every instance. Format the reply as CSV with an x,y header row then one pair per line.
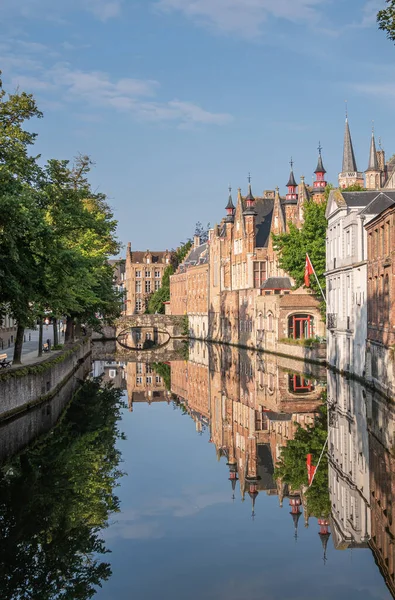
x,y
96,89
244,17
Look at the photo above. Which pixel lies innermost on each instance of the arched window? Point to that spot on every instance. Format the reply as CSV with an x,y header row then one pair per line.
x,y
270,322
300,326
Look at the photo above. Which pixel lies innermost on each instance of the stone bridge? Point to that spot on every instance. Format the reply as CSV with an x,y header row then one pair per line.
x,y
175,349
173,325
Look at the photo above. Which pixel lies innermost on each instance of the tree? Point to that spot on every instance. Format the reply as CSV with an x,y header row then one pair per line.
x,y
56,498
202,232
310,238
386,19
292,469
157,299
56,234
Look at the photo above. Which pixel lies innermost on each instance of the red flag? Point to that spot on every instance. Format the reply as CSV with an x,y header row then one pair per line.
x,y
311,469
308,270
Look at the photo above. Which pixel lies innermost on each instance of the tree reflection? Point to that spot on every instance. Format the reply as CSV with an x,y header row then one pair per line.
x,y
291,467
56,497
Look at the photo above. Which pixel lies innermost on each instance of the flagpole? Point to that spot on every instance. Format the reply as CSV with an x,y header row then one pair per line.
x,y
316,278
319,460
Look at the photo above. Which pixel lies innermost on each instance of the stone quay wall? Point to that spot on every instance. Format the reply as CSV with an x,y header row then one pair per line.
x,y
24,387
19,430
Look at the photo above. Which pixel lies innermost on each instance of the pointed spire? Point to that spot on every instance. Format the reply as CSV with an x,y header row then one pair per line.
x,y
249,196
249,200
349,162
324,534
230,205
373,164
320,166
291,180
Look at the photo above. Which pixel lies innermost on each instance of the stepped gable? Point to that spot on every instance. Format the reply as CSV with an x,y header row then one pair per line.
x,y
390,183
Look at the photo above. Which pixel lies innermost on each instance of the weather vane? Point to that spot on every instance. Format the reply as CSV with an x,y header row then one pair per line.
x,y
319,148
291,162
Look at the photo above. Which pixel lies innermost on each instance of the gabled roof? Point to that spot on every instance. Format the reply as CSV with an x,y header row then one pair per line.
x,y
277,283
380,202
263,221
197,256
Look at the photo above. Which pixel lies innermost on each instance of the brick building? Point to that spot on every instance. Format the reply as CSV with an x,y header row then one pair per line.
x,y
381,294
243,259
143,276
143,384
281,315
382,486
189,289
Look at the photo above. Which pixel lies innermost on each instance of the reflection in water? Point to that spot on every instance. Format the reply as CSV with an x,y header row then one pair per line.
x,y
262,416
54,500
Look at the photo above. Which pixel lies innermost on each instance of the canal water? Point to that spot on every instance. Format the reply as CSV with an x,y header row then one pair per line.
x,y
160,481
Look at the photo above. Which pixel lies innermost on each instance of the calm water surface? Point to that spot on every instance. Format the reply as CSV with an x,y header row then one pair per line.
x,y
199,511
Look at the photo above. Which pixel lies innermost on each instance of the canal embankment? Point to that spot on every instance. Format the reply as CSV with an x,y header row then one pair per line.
x,y
27,386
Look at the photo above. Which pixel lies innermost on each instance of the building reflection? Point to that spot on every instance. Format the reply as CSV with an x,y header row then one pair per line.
x,y
252,404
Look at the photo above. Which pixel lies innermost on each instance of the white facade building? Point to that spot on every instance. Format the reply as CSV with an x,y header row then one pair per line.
x,y
348,458
346,278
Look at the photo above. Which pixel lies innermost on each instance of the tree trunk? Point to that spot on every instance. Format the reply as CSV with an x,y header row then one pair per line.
x,y
69,336
78,329
40,337
18,345
55,331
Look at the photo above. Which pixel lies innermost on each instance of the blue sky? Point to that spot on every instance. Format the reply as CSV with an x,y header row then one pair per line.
x,y
175,99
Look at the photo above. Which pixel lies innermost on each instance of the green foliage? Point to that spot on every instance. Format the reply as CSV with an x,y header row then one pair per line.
x,y
306,342
164,370
311,238
157,299
386,19
56,234
56,498
185,325
292,469
354,188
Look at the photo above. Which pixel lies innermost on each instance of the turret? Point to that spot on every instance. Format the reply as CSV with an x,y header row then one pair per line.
x,y
319,183
249,201
372,173
253,493
230,209
291,185
295,501
233,476
324,534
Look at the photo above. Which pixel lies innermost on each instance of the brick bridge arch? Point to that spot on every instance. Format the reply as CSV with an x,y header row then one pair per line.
x,y
171,324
